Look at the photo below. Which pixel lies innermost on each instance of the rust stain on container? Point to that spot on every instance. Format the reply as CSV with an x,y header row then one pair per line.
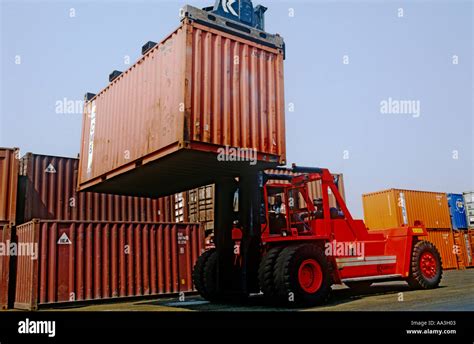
x,y
396,207
80,260
444,242
8,184
169,114
48,191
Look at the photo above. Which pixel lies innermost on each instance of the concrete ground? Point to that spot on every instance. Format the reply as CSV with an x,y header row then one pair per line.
x,y
456,293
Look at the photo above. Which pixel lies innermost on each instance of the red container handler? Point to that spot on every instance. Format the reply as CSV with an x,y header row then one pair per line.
x,y
92,260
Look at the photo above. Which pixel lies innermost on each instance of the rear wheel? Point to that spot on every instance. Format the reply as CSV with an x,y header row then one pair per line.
x,y
210,277
198,273
205,279
301,276
266,269
426,266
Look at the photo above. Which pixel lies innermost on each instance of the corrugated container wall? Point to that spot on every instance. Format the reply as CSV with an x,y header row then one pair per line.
x,y
470,246
444,242
167,123
8,184
463,248
314,188
79,261
469,203
48,191
181,213
201,206
5,268
396,207
457,210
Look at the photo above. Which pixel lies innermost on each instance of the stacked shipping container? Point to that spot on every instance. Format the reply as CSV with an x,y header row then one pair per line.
x,y
5,268
48,191
201,206
8,197
444,242
397,207
457,210
469,203
8,185
90,260
463,247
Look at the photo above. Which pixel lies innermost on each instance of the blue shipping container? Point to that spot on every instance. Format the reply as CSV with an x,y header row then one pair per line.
x,y
457,210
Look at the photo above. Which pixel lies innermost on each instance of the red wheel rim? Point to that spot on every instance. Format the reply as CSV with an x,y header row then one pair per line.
x,y
310,276
428,265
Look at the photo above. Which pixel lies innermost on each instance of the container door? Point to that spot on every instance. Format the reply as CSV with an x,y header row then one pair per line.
x,y
184,258
64,246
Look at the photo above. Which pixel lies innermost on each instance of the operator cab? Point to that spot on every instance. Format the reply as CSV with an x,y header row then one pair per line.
x,y
290,210
276,209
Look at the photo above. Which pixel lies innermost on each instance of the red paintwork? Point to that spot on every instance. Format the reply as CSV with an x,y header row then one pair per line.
x,y
428,265
310,276
385,252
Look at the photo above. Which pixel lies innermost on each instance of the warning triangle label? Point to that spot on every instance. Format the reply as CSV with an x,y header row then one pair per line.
x,y
50,169
64,240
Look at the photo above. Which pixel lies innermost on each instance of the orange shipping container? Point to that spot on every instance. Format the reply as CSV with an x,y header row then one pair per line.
x,y
444,242
8,185
396,207
159,127
462,240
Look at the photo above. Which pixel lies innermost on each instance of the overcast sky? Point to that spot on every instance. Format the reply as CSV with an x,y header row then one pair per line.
x,y
349,65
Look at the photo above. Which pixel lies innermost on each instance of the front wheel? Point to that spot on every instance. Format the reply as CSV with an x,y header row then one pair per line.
x,y
426,266
302,276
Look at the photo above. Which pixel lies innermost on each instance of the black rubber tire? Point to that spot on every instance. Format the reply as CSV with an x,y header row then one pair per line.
x,y
359,286
266,269
288,289
198,273
210,277
417,280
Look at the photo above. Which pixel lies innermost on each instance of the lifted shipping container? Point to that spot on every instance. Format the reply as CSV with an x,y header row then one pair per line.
x,y
206,102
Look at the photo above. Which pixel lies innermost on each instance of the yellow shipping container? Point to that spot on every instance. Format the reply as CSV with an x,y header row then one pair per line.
x,y
396,207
